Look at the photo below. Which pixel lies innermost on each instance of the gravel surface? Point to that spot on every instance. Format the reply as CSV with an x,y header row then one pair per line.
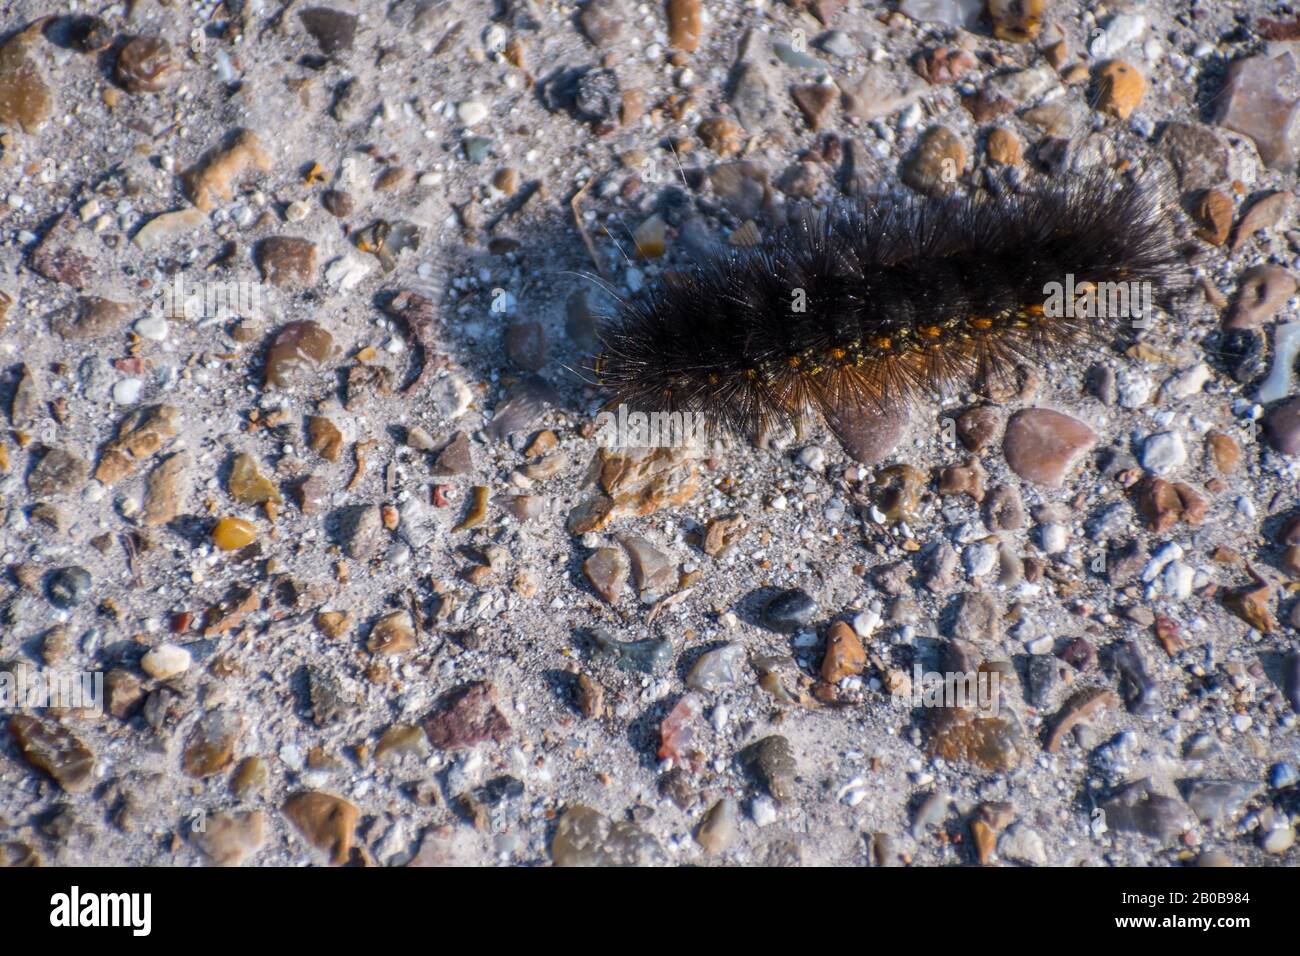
x,y
295,459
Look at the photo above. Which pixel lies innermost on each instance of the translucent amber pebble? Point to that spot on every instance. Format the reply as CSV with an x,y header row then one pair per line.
x,y
298,349
230,534
650,237
248,485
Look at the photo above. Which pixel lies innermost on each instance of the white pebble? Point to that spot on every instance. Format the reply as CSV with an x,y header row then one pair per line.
x,y
1188,383
866,622
1055,537
166,661
1163,453
1119,33
813,457
127,391
1133,388
471,112
1177,580
980,559
763,810
151,327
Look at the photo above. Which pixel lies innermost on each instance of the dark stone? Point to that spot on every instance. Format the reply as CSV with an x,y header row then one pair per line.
x,y
978,619
333,30
1135,808
1136,685
500,788
526,402
788,611
1041,677
1291,680
772,762
649,656
455,458
68,587
596,96
1243,354
1079,654
360,531
328,701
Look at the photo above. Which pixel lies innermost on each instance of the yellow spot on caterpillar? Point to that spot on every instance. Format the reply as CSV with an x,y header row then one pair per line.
x,y
837,354
983,323
930,331
883,343
794,361
1035,308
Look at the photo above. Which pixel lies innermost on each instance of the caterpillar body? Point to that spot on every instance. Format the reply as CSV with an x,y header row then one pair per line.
x,y
865,309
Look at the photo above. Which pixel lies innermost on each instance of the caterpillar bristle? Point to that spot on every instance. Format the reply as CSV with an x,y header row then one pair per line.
x,y
866,309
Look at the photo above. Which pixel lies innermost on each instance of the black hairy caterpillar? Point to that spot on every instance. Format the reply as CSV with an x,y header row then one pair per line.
x,y
862,310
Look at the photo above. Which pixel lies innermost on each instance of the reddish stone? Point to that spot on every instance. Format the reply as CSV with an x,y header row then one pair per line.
x,y
1042,445
467,716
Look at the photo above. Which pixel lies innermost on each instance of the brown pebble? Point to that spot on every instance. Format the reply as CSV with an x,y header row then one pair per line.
x,y
287,262
327,822
392,635
814,101
1264,213
1254,606
845,656
978,426
214,177
25,99
1016,20
333,624
607,569
298,349
1163,504
146,65
1120,87
52,748
591,697
684,24
936,163
1080,708
724,136
1213,213
1224,452
1042,445
1057,54
1262,291
324,437
1004,147
506,181
965,479
338,203
210,748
